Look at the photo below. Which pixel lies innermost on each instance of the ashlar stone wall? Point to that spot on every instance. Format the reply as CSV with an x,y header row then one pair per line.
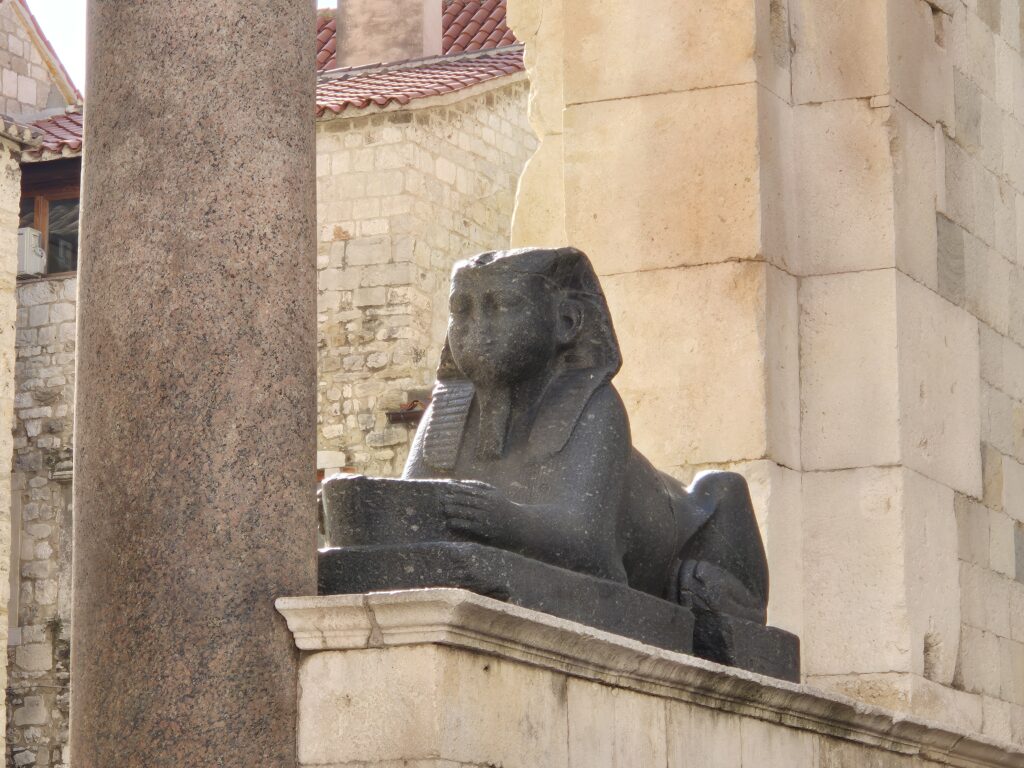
x,y
402,195
26,85
980,267
39,646
809,221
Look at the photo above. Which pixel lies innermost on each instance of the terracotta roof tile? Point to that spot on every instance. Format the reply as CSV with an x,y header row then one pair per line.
x,y
474,25
59,135
362,87
347,89
326,40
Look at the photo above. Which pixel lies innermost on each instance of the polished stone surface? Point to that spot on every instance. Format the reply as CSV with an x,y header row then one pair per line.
x,y
195,425
526,447
513,579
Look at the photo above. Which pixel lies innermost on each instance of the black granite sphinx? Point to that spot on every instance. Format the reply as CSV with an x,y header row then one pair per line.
x,y
523,484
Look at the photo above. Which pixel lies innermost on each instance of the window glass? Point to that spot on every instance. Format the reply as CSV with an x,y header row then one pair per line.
x,y
62,237
28,212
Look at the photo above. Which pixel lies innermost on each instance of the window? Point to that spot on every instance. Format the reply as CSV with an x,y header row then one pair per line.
x,y
50,204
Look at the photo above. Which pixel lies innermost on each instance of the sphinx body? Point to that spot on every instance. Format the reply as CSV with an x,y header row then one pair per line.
x,y
527,423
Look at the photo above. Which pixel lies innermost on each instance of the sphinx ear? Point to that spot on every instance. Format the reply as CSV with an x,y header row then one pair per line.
x,y
570,321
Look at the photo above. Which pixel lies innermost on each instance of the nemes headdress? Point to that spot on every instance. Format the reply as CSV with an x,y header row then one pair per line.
x,y
591,360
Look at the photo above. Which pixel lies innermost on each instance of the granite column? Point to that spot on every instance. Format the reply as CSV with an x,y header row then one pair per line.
x,y
195,420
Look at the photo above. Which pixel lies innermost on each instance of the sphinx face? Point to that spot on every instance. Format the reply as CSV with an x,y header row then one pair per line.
x,y
501,329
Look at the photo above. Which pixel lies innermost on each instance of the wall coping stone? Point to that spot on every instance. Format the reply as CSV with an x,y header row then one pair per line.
x,y
461,619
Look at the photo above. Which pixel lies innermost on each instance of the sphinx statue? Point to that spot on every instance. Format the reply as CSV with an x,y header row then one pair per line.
x,y
523,464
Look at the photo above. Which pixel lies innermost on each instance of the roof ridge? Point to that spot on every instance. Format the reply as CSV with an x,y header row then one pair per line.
x,y
345,73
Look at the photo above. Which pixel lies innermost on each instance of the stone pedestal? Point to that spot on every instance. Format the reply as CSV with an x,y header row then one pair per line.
x,y
195,423
441,678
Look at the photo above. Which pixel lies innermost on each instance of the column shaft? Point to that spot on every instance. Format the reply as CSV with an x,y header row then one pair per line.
x,y
195,403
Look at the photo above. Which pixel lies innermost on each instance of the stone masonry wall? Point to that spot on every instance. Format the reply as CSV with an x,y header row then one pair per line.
x,y
39,647
980,215
26,86
829,298
401,197
10,198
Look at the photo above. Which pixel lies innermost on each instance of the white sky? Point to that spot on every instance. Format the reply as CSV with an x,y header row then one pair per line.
x,y
63,23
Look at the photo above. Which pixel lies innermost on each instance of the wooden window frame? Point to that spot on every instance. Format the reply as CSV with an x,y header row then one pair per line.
x,y
46,183
42,216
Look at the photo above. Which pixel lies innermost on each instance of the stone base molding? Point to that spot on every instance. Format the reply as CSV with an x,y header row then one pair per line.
x,y
444,677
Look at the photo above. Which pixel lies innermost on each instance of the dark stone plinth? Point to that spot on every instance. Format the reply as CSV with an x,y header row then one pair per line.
x,y
747,645
511,578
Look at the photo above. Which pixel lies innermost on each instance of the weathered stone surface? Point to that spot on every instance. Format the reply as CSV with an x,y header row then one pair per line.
x,y
717,36
468,679
717,362
611,728
849,370
914,191
840,50
939,388
902,615
195,436
698,203
844,200
426,702
920,69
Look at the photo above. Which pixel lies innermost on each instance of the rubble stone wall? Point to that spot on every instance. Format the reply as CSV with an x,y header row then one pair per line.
x,y
401,197
39,646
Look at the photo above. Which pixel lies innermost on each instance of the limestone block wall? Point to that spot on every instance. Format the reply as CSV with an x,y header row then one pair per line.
x,y
444,678
402,195
26,86
808,221
10,198
980,268
38,651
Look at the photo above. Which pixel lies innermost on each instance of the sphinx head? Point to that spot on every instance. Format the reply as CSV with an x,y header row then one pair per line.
x,y
516,314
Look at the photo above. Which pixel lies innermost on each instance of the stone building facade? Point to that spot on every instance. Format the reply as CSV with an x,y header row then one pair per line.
x,y
33,84
809,229
32,79
980,269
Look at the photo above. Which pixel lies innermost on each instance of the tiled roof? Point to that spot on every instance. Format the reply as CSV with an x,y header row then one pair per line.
x,y
474,25
326,40
401,83
60,135
466,25
358,88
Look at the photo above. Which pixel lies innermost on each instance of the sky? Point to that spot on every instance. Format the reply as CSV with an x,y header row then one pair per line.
x,y
63,23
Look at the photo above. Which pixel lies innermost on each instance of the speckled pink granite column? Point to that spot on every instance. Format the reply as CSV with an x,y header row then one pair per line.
x,y
195,422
